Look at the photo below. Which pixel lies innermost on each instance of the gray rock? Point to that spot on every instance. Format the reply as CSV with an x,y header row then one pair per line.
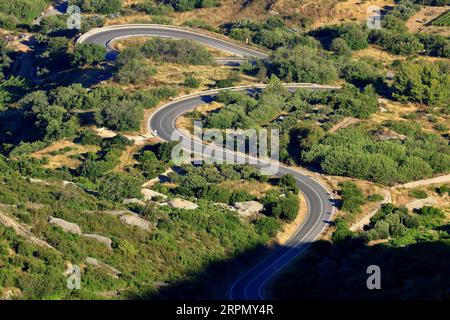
x,y
134,220
151,194
248,208
182,204
134,201
103,240
113,272
66,225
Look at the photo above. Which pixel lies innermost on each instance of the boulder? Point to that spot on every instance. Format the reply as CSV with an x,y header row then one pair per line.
x,y
113,272
66,225
134,220
116,213
103,240
134,201
151,194
182,204
248,208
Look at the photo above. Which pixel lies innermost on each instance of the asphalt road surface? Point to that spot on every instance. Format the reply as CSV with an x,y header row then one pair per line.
x,y
251,284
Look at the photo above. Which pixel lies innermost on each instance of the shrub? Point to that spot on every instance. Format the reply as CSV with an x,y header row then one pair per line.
x,y
191,82
24,10
340,47
134,71
442,190
354,35
352,197
281,207
418,194
178,51
119,186
382,228
88,137
288,183
149,165
8,21
198,23
302,64
375,197
225,83
267,226
342,231
423,82
122,115
98,6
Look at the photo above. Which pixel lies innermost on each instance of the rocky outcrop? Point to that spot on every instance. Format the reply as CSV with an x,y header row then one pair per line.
x,y
248,208
113,272
151,194
182,204
102,239
134,220
134,201
66,225
116,213
22,230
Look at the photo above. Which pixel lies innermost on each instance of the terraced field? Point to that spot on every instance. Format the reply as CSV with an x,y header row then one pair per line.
x,y
443,20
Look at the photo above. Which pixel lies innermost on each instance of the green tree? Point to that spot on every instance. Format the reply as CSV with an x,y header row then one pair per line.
x,y
122,115
134,71
302,64
119,186
86,54
98,6
267,226
352,197
342,231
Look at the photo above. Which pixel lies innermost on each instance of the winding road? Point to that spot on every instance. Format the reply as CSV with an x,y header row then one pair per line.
x,y
251,284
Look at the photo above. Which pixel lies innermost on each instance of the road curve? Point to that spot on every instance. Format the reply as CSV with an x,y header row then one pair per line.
x,y
104,36
250,285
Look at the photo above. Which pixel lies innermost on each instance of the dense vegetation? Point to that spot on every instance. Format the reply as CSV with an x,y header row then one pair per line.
x,y
194,247
355,153
98,6
14,12
187,5
424,83
242,111
183,243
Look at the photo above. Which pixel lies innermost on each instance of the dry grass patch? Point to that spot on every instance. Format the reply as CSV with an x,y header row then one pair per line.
x,y
396,112
230,10
419,22
172,74
127,158
255,188
66,159
328,11
387,58
185,122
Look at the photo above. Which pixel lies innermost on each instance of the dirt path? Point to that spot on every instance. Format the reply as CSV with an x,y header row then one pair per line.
x,y
344,123
425,182
366,219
